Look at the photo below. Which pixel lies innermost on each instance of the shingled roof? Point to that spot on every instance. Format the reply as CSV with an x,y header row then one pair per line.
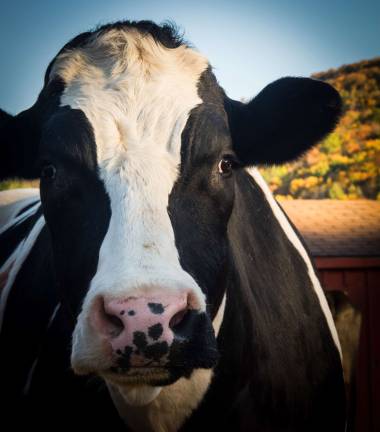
x,y
337,228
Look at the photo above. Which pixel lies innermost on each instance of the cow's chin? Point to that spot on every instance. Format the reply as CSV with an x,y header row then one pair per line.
x,y
140,377
137,395
140,386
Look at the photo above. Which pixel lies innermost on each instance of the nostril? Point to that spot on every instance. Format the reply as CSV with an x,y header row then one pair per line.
x,y
106,321
177,318
115,324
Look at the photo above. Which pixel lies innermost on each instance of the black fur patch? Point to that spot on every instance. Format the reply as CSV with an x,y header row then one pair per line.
x,y
194,345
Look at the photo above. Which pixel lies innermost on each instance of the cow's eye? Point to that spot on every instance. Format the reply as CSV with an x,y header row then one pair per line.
x,y
225,166
48,172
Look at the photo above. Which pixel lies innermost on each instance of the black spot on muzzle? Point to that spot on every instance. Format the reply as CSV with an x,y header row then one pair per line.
x,y
155,331
156,308
194,347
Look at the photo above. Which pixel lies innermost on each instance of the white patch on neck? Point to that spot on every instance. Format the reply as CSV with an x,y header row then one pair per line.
x,y
169,410
139,395
293,238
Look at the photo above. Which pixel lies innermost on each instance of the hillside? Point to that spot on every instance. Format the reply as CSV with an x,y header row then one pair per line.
x,y
347,164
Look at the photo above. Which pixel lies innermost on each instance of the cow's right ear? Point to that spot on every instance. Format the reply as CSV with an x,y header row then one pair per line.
x,y
19,138
283,121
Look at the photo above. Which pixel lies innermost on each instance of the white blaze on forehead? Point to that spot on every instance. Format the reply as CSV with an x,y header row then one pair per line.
x,y
137,96
135,92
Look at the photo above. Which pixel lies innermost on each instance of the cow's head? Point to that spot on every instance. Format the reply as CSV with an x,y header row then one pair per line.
x,y
137,148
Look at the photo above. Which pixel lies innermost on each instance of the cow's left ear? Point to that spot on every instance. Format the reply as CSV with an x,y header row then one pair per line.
x,y
284,120
4,118
19,138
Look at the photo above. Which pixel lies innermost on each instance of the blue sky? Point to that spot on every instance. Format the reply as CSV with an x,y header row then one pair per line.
x,y
249,43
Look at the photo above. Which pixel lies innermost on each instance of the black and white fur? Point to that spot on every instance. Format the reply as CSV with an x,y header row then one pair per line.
x,y
135,124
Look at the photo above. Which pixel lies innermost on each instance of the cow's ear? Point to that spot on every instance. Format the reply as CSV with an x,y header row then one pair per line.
x,y
19,140
4,118
284,120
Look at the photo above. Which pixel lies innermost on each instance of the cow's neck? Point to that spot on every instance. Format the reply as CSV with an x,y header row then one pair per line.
x,y
174,404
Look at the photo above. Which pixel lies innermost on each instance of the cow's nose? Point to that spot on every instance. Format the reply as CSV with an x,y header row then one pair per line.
x,y
140,329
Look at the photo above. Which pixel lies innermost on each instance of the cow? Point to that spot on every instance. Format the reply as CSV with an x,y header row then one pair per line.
x,y
156,284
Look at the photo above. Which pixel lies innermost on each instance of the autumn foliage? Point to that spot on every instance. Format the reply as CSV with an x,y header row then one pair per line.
x,y
346,165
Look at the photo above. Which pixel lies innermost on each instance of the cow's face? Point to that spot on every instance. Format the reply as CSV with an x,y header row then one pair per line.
x,y
138,146
138,206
